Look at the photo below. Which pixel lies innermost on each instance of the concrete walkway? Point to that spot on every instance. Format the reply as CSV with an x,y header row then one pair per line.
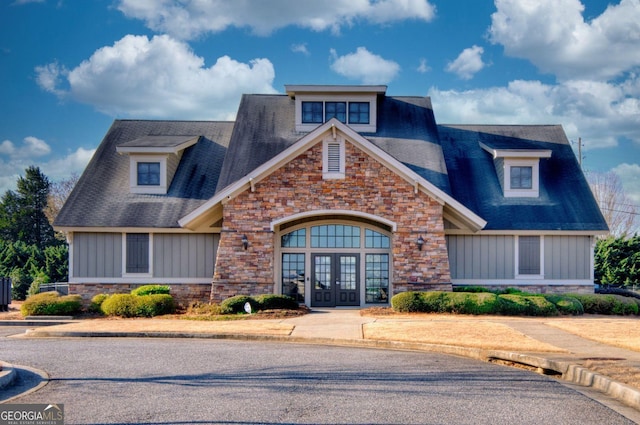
x,y
345,327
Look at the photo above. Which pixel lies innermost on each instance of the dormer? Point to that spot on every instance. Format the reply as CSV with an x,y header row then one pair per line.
x,y
153,161
518,169
355,106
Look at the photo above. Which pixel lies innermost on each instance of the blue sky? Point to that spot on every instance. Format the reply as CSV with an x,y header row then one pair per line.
x,y
68,68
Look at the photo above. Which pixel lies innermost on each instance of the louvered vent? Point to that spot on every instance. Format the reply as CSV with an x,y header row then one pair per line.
x,y
333,157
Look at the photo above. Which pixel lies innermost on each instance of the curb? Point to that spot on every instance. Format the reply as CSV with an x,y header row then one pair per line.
x,y
7,374
566,371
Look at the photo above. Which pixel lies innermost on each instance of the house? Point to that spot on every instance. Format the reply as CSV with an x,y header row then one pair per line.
x,y
336,195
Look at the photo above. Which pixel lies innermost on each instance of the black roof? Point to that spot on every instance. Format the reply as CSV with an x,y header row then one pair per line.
x,y
449,156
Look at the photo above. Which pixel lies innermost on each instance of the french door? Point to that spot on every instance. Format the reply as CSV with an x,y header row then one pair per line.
x,y
335,280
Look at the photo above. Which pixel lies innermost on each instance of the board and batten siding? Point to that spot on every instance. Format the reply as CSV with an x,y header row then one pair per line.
x,y
180,255
567,257
489,257
99,255
481,257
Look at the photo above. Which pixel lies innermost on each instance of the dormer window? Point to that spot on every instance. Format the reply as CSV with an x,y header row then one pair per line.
x,y
148,173
518,168
153,161
355,106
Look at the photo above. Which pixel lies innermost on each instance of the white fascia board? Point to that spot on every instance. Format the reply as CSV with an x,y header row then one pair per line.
x,y
292,89
158,150
516,153
354,137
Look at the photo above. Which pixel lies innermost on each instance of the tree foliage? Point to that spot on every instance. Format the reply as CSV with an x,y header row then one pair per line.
x,y
617,261
29,250
617,208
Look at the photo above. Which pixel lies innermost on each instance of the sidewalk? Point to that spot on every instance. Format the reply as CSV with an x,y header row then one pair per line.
x,y
560,353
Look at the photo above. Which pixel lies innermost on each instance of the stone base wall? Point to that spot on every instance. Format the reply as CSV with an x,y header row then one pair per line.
x,y
220,291
421,287
184,293
543,289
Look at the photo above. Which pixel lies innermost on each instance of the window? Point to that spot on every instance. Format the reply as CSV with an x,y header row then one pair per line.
x,y
521,177
312,113
373,239
358,112
295,239
337,110
335,236
377,278
293,275
148,174
137,253
529,256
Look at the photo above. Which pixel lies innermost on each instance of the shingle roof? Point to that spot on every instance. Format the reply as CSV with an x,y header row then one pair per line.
x,y
565,201
101,197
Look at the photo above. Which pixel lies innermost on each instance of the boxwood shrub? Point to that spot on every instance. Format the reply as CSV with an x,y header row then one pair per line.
x,y
95,306
607,304
526,305
408,302
51,304
276,302
565,304
150,290
235,304
129,305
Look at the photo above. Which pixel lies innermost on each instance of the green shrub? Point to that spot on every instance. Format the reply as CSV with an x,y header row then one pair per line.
x,y
526,305
128,305
408,302
51,304
565,304
607,304
472,289
276,302
96,303
154,305
123,305
235,305
151,289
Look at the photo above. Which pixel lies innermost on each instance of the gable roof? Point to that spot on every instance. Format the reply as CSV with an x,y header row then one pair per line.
x,y
452,206
566,202
102,197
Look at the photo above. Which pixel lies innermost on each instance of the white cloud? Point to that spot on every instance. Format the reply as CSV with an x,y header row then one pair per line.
x,y
300,48
601,110
14,160
21,2
364,66
188,19
555,37
159,78
468,63
423,67
630,177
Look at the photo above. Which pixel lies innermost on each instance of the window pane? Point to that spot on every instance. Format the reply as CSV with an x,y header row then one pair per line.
x,y
295,239
312,112
148,173
377,278
335,236
521,177
529,255
348,272
336,110
293,275
374,239
358,112
137,253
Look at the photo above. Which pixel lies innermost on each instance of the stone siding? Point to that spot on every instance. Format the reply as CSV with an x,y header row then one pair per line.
x,y
297,187
184,293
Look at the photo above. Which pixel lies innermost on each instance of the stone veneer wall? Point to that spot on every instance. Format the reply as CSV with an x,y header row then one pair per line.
x,y
298,187
183,293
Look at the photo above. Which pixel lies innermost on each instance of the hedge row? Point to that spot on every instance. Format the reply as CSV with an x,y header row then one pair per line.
x,y
145,301
512,304
51,304
235,305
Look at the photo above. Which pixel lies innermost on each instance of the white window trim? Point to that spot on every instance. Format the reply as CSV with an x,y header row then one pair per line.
x,y
366,128
534,192
133,174
517,261
124,258
326,174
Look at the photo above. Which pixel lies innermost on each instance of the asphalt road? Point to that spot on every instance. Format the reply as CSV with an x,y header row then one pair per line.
x,y
185,381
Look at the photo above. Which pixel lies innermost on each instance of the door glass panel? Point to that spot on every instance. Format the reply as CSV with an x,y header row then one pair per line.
x,y
348,272
322,271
